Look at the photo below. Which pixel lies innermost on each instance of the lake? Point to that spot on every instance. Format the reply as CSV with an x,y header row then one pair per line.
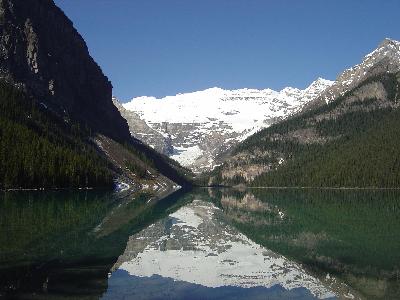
x,y
201,244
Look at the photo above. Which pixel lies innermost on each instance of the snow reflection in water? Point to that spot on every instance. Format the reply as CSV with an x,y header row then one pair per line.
x,y
194,253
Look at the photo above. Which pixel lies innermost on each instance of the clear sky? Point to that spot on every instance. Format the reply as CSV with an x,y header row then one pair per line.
x,y
165,47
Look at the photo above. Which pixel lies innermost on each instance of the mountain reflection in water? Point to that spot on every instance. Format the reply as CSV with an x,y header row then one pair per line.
x,y
199,250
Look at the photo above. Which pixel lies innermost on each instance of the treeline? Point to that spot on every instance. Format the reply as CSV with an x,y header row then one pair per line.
x,y
38,150
369,158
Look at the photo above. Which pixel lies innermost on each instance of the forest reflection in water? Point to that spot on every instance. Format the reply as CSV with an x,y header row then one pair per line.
x,y
349,234
64,243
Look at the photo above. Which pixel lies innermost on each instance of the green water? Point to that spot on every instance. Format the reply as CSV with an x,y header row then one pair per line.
x,y
63,244
350,234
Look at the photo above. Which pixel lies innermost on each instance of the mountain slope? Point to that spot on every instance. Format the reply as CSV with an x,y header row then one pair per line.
x,y
38,150
351,141
196,128
43,52
56,105
384,59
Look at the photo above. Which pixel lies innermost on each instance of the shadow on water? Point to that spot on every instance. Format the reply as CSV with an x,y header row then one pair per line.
x,y
63,244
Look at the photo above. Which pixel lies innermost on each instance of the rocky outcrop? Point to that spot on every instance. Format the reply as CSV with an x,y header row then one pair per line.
x,y
140,129
41,51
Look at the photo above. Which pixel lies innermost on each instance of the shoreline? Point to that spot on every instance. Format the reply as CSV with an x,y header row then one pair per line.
x,y
321,188
54,189
208,187
298,187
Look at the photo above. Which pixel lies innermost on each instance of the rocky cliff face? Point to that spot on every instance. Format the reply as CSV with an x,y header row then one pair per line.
x,y
41,51
140,129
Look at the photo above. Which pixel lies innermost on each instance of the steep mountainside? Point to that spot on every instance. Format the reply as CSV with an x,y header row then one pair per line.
x,y
40,150
349,141
384,59
141,130
56,106
196,128
42,51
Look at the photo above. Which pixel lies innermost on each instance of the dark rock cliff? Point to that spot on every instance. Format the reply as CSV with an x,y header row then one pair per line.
x,y
41,51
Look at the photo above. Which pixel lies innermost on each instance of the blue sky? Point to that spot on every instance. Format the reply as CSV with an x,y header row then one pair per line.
x,y
164,47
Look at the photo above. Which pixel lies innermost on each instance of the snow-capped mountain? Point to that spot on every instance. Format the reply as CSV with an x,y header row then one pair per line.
x,y
196,128
385,58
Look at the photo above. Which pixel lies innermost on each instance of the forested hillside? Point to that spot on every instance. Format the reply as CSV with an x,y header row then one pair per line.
x,y
351,142
38,150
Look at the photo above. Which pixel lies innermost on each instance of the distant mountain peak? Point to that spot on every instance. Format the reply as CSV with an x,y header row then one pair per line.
x,y
202,125
388,42
384,59
319,83
321,80
387,48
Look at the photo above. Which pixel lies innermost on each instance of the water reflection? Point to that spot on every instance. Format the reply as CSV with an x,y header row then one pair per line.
x,y
206,256
346,235
65,243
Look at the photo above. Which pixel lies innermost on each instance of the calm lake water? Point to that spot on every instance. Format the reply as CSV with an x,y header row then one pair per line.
x,y
202,244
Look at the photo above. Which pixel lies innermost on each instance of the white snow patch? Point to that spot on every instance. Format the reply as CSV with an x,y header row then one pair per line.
x,y
121,186
187,217
187,156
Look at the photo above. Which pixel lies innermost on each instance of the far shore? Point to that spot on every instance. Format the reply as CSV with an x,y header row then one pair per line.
x,y
322,188
220,187
51,189
300,187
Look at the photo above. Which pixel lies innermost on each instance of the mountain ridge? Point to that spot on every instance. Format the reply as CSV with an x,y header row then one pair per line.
x,y
199,126
386,57
317,81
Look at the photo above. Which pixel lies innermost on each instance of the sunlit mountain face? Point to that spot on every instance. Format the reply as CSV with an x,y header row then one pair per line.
x,y
196,128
